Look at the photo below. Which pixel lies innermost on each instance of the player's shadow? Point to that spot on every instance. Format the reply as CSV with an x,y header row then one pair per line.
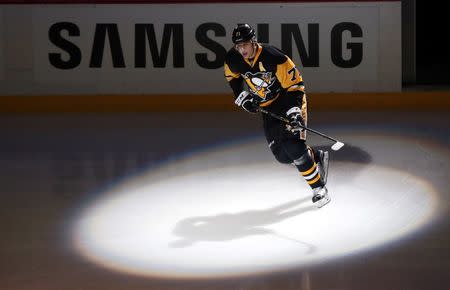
x,y
348,153
340,159
231,226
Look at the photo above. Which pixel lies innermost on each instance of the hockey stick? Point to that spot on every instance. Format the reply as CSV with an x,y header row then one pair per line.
x,y
336,146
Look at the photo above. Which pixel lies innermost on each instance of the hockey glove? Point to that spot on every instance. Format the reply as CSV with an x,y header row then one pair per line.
x,y
248,102
295,118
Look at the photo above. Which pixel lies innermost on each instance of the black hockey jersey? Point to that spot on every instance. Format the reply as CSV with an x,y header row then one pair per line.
x,y
268,75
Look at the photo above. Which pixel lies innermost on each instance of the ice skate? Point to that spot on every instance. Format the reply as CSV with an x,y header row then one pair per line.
x,y
323,165
320,196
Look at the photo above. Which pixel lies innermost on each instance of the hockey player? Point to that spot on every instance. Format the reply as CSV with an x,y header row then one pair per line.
x,y
261,75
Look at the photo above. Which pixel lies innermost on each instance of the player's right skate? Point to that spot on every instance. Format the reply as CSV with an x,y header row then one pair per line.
x,y
320,196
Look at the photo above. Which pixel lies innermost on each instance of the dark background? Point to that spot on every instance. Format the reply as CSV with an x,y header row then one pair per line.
x,y
432,43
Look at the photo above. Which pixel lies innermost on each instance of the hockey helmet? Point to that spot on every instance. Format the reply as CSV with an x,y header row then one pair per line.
x,y
242,33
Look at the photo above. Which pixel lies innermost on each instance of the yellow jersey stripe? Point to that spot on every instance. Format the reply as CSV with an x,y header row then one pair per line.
x,y
229,75
269,101
288,74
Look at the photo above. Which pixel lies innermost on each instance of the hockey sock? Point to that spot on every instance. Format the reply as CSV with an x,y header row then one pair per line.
x,y
309,170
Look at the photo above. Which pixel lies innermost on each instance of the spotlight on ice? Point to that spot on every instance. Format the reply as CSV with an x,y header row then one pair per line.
x,y
234,211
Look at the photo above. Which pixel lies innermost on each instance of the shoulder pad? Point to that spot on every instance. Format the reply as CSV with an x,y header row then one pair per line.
x,y
274,53
231,56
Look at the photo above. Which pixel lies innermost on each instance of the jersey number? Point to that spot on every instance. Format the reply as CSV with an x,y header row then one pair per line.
x,y
292,71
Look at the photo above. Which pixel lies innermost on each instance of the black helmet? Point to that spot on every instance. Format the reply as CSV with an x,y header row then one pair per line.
x,y
242,33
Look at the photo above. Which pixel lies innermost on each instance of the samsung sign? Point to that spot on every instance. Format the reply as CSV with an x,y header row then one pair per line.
x,y
145,39
180,49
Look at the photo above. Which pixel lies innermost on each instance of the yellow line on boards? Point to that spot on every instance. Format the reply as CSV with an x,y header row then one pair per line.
x,y
403,101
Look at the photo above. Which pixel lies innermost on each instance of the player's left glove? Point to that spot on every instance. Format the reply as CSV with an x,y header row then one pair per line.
x,y
248,102
295,118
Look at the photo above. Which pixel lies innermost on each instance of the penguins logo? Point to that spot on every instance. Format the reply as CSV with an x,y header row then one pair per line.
x,y
259,83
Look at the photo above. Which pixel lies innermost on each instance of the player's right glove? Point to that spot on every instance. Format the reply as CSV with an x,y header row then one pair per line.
x,y
248,102
295,118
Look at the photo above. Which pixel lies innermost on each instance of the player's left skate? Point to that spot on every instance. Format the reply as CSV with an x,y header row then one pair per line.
x,y
323,162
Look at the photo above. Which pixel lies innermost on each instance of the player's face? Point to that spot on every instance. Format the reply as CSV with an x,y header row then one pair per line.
x,y
246,49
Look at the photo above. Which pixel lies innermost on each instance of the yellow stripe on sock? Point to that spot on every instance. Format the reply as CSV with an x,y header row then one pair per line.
x,y
315,179
309,170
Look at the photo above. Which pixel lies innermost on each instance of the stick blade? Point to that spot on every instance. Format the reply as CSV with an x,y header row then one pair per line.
x,y
338,145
